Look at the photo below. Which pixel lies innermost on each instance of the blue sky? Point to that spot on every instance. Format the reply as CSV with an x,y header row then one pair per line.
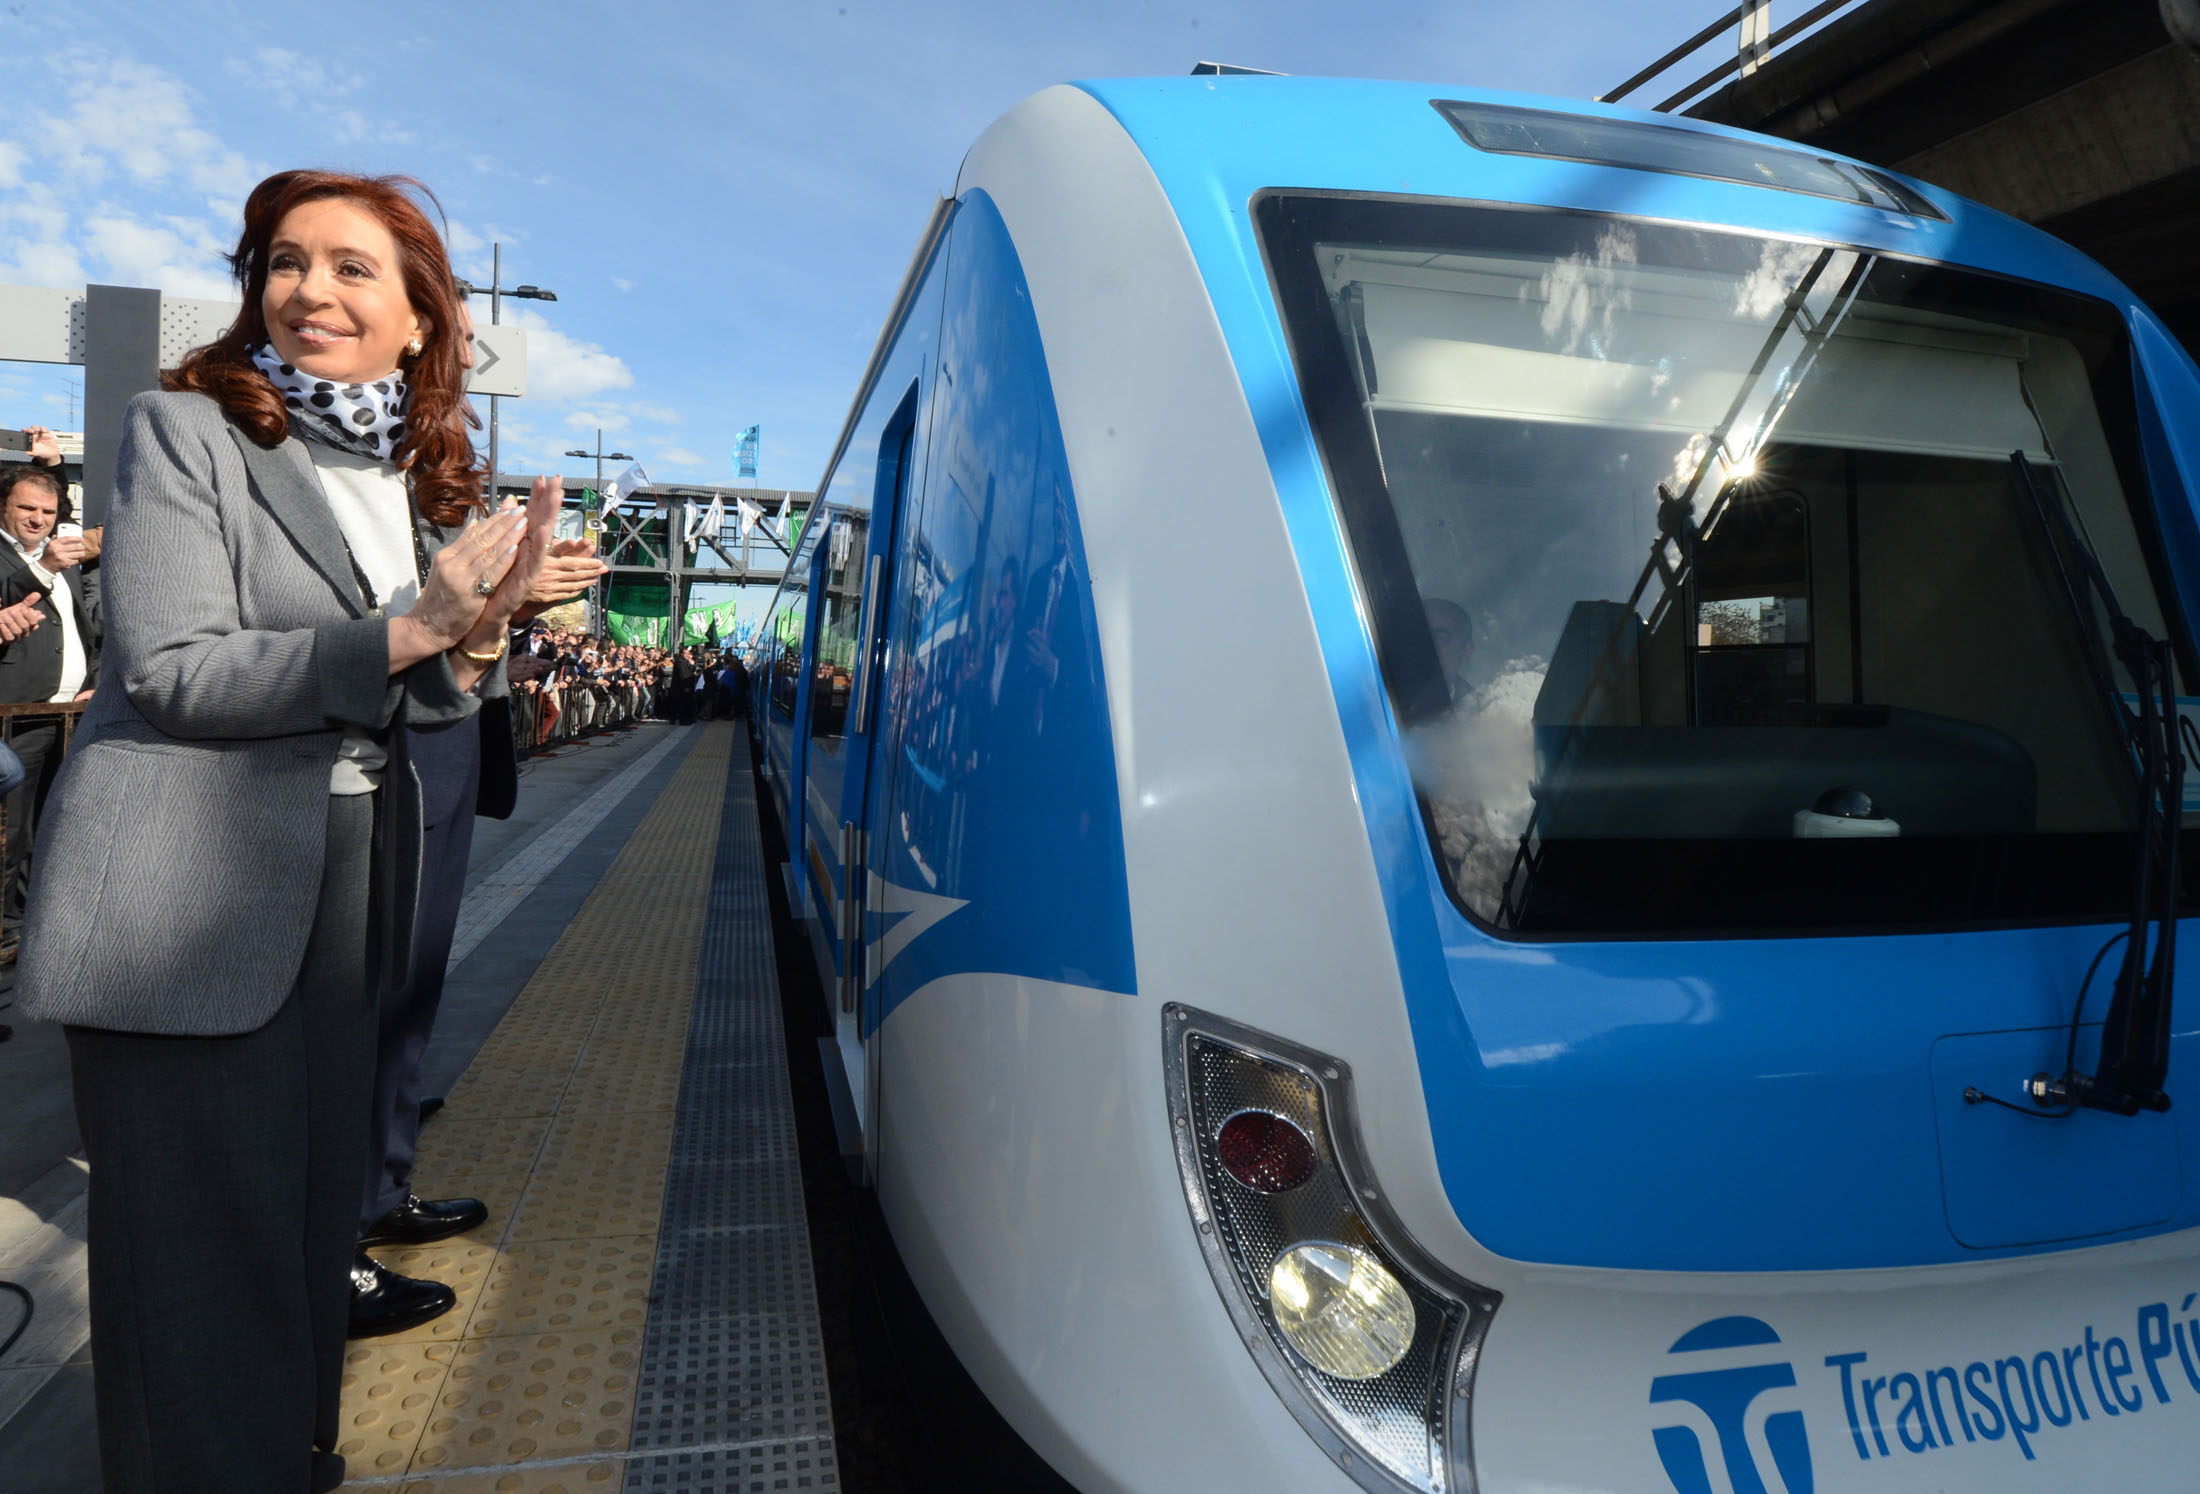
x,y
723,196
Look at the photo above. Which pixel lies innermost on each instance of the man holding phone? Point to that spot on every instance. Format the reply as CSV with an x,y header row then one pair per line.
x,y
49,646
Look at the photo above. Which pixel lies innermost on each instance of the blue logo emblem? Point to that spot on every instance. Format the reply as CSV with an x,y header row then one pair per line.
x,y
1723,1397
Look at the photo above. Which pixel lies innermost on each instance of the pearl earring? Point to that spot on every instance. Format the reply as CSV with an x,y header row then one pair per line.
x,y
414,346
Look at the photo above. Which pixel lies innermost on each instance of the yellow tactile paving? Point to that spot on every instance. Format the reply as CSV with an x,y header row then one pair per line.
x,y
563,1125
603,1173
566,1285
562,1478
390,1391
533,1396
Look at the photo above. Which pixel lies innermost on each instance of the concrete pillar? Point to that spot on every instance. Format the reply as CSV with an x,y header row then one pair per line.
x,y
121,361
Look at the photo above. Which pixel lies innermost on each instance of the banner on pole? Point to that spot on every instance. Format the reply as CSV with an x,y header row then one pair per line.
x,y
744,457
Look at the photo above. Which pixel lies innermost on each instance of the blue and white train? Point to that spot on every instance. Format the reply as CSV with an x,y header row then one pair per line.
x,y
1492,792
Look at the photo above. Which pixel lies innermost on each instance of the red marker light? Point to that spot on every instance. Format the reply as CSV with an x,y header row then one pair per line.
x,y
1264,1152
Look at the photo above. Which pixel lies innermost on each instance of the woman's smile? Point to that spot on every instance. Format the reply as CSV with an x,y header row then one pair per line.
x,y
320,333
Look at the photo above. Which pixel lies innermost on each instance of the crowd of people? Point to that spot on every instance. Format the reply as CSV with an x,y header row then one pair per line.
x,y
566,683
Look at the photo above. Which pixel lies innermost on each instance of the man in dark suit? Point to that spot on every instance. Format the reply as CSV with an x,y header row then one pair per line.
x,y
55,659
681,710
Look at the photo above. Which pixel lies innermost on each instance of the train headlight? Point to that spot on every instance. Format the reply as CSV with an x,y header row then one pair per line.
x,y
1341,1309
1369,1342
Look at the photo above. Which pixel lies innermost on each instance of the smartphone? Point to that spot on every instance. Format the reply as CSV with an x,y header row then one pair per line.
x,y
15,441
70,530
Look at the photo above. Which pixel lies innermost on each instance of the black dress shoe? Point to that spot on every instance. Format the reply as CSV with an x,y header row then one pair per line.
x,y
383,1302
416,1221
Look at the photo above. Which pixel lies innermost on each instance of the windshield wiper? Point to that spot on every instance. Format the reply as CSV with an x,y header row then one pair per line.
x,y
2135,1037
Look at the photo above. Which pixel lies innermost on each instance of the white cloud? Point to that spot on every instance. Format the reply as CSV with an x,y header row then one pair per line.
x,y
561,368
129,117
618,280
354,127
122,182
679,456
176,255
292,79
464,240
611,421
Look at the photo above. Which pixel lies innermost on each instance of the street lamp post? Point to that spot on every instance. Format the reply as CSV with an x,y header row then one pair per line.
x,y
601,457
497,293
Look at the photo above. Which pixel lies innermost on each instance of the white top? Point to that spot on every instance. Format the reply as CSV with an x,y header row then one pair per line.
x,y
373,509
64,607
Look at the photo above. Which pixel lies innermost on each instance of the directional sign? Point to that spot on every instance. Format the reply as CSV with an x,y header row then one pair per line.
x,y
500,360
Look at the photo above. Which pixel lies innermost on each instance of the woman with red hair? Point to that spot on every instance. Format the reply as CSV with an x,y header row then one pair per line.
x,y
300,579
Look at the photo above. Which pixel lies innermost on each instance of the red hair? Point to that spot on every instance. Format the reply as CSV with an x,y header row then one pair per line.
x,y
437,449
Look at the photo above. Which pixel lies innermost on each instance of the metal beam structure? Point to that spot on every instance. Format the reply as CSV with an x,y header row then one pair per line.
x,y
634,539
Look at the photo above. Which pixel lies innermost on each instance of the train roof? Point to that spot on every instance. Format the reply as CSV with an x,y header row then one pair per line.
x,y
1217,141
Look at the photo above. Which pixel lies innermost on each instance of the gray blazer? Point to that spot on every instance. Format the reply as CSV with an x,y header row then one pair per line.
x,y
179,854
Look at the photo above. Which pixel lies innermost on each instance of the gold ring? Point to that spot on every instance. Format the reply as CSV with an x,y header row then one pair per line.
x,y
484,587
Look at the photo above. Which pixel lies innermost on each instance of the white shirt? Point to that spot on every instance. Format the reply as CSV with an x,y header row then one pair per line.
x,y
64,606
373,509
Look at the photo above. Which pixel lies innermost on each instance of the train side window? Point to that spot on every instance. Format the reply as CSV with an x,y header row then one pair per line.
x,y
839,618
788,626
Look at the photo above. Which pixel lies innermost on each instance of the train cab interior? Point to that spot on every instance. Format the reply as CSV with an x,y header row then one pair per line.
x,y
1766,548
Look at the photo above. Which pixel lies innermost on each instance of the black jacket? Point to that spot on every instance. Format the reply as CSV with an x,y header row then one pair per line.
x,y
30,667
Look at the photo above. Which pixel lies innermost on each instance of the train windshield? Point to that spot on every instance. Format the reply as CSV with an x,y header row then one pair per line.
x,y
1721,583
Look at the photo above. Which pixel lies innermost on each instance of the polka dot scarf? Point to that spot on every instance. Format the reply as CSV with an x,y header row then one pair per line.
x,y
366,418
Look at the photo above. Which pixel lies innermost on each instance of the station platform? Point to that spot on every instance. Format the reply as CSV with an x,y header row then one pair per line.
x,y
639,1312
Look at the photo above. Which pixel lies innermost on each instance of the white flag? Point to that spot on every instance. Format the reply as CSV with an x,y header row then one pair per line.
x,y
748,514
617,491
705,523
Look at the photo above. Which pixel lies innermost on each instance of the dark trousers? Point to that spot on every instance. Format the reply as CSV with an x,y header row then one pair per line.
x,y
449,765
224,1195
39,747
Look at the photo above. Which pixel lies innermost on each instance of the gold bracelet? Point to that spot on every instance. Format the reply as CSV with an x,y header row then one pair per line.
x,y
503,644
